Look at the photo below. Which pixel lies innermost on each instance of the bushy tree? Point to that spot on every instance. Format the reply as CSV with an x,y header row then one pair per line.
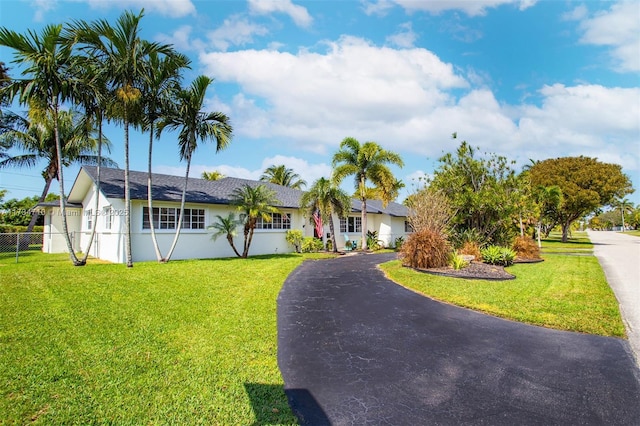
x,y
483,192
586,184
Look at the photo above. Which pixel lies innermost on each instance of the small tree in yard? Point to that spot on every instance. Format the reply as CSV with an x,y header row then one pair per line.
x,y
226,226
295,238
254,202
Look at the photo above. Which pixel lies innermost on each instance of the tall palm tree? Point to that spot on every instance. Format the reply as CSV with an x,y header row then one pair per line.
x,y
194,125
366,162
161,80
253,202
46,86
281,175
625,206
35,138
214,175
226,226
328,199
122,52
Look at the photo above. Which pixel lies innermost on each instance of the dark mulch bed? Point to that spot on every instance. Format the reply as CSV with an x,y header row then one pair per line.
x,y
475,271
523,260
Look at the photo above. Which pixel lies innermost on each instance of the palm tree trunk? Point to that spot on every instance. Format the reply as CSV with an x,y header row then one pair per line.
x,y
247,244
45,191
97,205
63,206
233,246
154,239
363,197
179,225
333,234
127,194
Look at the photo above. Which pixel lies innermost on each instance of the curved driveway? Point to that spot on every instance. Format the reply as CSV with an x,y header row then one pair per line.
x,y
356,349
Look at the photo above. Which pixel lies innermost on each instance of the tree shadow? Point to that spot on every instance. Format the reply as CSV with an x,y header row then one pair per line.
x,y
273,405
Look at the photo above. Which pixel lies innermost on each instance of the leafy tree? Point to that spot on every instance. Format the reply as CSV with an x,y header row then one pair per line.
x,y
46,86
4,81
328,199
429,209
367,163
214,175
193,125
36,139
295,238
253,202
586,185
281,175
226,226
483,193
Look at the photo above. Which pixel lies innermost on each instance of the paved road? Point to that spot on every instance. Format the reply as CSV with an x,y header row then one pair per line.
x,y
357,349
619,256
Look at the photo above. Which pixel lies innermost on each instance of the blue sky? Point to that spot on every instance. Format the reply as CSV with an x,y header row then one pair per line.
x,y
523,79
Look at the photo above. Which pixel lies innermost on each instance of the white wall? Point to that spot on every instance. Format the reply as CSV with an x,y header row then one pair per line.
x,y
53,240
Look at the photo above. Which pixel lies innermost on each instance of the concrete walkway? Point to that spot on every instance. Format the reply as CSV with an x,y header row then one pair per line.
x,y
619,256
356,349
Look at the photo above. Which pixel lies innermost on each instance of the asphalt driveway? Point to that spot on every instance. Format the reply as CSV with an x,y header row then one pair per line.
x,y
357,349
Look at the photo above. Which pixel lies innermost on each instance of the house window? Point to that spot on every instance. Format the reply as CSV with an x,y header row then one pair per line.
x,y
108,217
278,221
407,226
89,214
167,218
351,224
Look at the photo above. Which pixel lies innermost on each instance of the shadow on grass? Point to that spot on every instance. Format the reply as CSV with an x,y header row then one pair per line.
x,y
270,404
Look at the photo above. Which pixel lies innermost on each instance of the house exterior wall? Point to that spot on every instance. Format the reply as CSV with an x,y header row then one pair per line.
x,y
53,240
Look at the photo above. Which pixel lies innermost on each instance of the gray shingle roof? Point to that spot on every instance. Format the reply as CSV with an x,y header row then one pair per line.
x,y
169,188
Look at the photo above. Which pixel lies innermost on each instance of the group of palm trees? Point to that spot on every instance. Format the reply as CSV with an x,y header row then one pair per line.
x,y
107,72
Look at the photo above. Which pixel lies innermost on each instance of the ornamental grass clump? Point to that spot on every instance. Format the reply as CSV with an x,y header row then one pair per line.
x,y
471,248
457,261
426,248
526,248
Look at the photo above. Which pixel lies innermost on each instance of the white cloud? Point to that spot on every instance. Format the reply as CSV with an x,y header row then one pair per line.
x,y
619,28
41,8
173,8
471,8
308,171
298,14
180,39
405,37
576,14
379,8
235,31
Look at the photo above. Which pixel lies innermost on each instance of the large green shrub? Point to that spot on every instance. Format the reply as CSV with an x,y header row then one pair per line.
x,y
311,245
295,238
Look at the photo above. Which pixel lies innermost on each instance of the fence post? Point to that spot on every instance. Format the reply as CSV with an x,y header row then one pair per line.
x,y
17,245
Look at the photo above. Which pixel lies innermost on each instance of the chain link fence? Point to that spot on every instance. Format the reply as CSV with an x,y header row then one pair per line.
x,y
13,245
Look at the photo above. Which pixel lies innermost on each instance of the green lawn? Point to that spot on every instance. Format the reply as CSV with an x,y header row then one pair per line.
x,y
566,292
578,242
189,342
635,233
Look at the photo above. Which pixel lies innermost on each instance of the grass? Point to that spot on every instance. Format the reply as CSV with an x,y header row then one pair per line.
x,y
189,342
578,243
563,292
635,233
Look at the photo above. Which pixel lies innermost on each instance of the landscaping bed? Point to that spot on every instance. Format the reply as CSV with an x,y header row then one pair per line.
x,y
475,270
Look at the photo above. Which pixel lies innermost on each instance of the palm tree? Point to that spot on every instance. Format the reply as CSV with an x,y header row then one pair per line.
x,y
281,175
366,162
226,226
328,199
193,125
253,202
161,79
46,60
625,206
36,139
214,175
122,53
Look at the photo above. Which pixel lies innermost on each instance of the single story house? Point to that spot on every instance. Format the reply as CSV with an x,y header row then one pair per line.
x,y
204,200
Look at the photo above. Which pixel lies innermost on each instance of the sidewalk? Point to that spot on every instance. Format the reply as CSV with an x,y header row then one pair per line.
x,y
619,256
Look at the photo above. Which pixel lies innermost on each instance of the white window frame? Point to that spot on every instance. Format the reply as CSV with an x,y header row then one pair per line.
x,y
279,221
351,224
108,217
89,214
166,218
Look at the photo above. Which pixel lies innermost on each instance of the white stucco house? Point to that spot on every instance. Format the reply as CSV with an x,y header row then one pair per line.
x,y
204,200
